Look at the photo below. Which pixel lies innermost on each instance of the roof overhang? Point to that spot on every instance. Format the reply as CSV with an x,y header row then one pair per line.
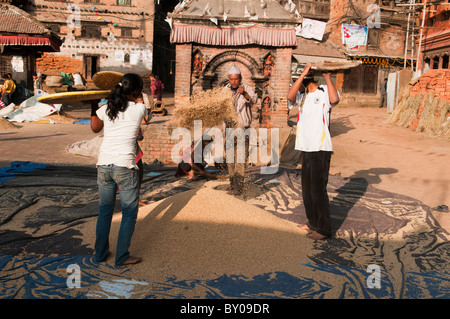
x,y
233,36
16,40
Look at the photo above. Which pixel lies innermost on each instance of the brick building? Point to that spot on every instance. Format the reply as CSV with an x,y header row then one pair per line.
x,y
434,53
258,38
384,52
22,39
99,35
435,45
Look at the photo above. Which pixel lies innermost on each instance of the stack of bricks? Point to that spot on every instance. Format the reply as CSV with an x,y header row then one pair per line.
x,y
435,82
50,64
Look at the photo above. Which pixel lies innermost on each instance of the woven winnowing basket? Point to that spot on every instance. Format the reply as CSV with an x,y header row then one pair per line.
x,y
73,97
335,65
106,80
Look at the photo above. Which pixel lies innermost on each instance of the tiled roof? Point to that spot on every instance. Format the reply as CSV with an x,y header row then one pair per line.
x,y
16,21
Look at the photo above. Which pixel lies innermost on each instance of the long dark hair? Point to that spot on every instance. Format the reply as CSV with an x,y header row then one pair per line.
x,y
130,84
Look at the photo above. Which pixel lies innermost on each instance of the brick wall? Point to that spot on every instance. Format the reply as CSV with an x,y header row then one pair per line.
x,y
280,82
183,73
339,80
157,144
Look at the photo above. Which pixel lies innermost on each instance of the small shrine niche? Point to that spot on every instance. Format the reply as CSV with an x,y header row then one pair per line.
x,y
268,64
197,64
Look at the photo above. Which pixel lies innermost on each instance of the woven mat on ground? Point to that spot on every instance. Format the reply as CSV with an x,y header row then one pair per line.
x,y
197,241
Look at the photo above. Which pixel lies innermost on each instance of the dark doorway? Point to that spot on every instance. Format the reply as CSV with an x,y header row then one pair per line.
x,y
90,66
163,50
362,79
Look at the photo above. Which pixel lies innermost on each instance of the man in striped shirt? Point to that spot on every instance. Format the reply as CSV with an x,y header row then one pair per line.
x,y
243,99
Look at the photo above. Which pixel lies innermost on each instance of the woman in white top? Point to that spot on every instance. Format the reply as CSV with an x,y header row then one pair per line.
x,y
314,140
120,119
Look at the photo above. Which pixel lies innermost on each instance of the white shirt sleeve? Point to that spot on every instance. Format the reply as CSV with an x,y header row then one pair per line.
x,y
298,98
252,94
101,112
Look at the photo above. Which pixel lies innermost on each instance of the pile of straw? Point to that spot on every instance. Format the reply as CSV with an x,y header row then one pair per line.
x,y
427,121
444,120
213,107
433,119
406,111
6,125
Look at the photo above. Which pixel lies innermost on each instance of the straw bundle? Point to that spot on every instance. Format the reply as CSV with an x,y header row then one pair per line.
x,y
406,111
213,107
427,121
434,119
443,122
445,129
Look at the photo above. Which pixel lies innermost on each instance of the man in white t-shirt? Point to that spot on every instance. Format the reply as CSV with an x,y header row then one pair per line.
x,y
314,140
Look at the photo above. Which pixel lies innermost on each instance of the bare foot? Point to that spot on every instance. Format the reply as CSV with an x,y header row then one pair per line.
x,y
304,227
316,236
132,260
141,203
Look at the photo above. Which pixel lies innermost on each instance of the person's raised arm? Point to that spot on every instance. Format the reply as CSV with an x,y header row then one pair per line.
x,y
96,123
332,92
298,83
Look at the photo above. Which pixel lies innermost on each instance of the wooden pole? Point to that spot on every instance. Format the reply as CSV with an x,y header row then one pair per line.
x,y
407,36
421,34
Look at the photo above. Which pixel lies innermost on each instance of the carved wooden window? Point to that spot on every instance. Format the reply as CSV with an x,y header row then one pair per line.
x,y
124,2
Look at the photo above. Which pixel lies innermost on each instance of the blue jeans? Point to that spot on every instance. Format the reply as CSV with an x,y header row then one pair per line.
x,y
109,177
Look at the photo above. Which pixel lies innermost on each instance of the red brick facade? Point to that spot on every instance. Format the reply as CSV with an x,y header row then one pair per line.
x,y
100,33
